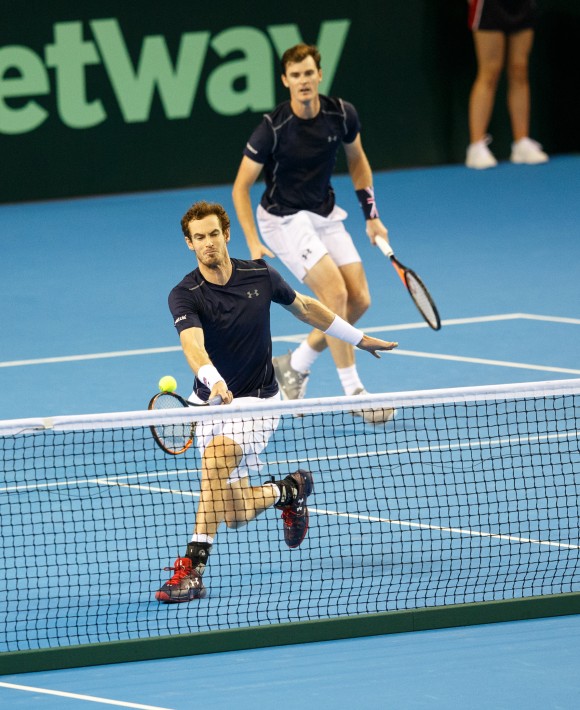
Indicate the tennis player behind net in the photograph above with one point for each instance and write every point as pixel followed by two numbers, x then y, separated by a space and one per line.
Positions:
pixel 221 311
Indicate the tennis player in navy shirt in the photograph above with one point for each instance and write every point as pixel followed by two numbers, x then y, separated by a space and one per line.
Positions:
pixel 295 146
pixel 221 311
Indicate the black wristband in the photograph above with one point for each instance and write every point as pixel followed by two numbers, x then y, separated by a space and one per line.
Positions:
pixel 366 198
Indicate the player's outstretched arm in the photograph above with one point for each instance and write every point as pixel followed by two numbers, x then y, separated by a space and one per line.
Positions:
pixel 317 315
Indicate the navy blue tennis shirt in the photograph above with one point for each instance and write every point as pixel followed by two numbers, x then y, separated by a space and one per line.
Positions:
pixel 299 155
pixel 235 319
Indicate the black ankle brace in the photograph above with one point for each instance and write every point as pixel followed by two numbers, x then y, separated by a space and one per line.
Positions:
pixel 287 489
pixel 198 552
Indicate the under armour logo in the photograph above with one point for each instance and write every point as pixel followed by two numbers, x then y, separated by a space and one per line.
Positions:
pixel 332 139
pixel 253 293
pixel 306 254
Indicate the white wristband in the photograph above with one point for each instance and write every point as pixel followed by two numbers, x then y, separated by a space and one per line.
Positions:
pixel 342 330
pixel 209 376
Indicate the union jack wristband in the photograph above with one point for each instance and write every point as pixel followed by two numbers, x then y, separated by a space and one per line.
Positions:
pixel 209 375
pixel 366 198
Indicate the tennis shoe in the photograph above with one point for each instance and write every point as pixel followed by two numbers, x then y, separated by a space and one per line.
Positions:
pixel 184 586
pixel 479 156
pixel 528 152
pixel 295 514
pixel 291 382
pixel 379 415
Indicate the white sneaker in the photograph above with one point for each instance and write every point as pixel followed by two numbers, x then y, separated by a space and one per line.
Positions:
pixel 292 383
pixel 528 152
pixel 479 156
pixel 379 415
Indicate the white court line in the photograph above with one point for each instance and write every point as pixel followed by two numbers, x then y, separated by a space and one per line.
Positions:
pixel 143 487
pixel 302 336
pixel 86 481
pixel 459 531
pixel 484 361
pixel 90 356
pixel 552 319
pixel 76 696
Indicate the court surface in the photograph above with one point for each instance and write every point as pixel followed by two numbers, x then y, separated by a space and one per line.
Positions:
pixel 85 328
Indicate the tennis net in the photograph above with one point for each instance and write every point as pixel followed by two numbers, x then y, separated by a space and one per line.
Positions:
pixel 467 495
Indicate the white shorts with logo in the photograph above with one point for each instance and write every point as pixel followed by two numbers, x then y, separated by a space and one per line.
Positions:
pixel 300 240
pixel 252 434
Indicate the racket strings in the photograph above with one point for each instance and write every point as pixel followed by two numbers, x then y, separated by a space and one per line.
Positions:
pixel 172 438
pixel 422 299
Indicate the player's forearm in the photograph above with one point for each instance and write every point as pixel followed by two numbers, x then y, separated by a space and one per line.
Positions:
pixel 206 372
pixel 319 316
pixel 196 359
pixel 312 312
pixel 192 344
pixel 362 179
pixel 360 170
pixel 358 165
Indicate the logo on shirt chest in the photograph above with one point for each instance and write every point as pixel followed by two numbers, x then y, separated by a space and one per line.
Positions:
pixel 253 294
pixel 332 139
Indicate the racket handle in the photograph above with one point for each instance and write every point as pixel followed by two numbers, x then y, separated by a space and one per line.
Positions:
pixel 384 246
pixel 215 400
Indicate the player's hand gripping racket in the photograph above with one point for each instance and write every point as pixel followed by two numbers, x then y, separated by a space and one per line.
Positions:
pixel 417 289
pixel 175 438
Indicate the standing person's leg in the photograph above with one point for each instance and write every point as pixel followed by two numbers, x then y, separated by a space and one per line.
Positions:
pixel 524 150
pixel 519 46
pixel 332 285
pixel 327 282
pixel 321 254
pixel 490 47
pixel 354 280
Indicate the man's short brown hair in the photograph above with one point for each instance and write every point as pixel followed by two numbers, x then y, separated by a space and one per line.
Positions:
pixel 203 209
pixel 298 53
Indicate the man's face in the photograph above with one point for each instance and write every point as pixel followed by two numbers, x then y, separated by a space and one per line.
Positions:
pixel 208 241
pixel 302 79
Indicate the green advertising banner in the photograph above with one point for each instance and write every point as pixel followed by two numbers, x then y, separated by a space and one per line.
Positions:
pixel 106 96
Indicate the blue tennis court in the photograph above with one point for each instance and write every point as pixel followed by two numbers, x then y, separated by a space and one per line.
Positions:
pixel 86 329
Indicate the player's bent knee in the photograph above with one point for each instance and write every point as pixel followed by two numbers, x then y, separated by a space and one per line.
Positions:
pixel 363 301
pixel 359 303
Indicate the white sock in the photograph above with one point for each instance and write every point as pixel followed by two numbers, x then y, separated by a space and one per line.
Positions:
pixel 349 379
pixel 276 491
pixel 200 537
pixel 303 357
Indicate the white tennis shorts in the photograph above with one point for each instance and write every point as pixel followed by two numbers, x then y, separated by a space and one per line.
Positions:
pixel 252 434
pixel 300 240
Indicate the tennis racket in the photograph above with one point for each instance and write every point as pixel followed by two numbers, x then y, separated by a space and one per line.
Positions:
pixel 175 439
pixel 416 288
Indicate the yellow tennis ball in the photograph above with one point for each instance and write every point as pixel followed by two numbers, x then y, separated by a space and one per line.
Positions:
pixel 167 384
